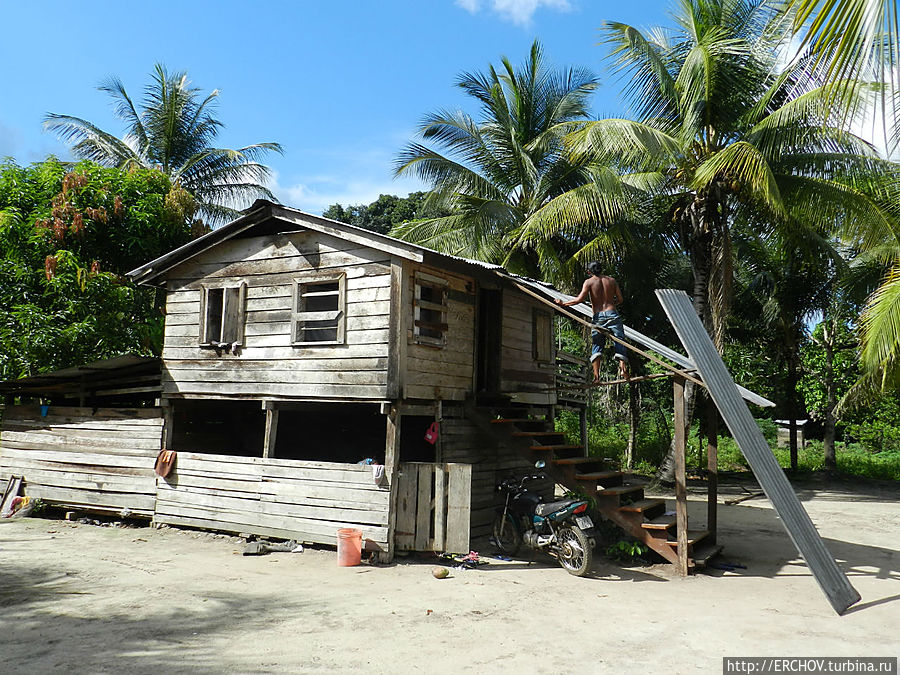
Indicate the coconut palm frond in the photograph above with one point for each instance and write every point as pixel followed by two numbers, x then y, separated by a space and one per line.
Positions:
pixel 173 130
pixel 880 324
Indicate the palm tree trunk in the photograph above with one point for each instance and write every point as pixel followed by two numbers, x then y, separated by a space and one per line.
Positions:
pixel 830 398
pixel 699 247
pixel 793 407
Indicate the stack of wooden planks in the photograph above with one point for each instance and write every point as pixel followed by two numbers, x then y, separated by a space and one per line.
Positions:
pixel 99 459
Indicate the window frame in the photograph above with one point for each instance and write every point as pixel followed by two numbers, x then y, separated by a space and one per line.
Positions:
pixel 341 312
pixel 420 280
pixel 537 345
pixel 237 314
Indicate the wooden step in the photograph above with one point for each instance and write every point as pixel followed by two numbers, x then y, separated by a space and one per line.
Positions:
pixel 693 537
pixel 574 461
pixel 598 475
pixel 557 448
pixel 517 421
pixel 537 434
pixel 704 553
pixel 643 505
pixel 661 523
pixel 619 490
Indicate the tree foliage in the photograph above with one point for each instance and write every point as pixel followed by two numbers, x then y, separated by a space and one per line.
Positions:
pixel 491 174
pixel 385 213
pixel 68 234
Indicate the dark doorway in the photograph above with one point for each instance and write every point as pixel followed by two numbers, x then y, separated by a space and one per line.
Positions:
pixel 490 328
pixel 413 446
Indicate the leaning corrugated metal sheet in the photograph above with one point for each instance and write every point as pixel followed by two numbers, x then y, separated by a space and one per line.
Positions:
pixel 743 427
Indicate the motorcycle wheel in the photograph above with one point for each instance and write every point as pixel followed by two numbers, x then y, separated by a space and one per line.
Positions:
pixel 506 534
pixel 575 553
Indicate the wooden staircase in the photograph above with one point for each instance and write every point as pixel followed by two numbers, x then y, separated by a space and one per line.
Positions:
pixel 617 500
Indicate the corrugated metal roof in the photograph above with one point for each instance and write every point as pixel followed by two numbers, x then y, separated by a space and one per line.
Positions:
pixel 749 438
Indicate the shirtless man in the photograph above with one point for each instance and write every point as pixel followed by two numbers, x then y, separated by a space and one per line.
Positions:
pixel 605 296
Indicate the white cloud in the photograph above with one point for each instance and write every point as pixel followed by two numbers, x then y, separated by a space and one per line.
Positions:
pixel 519 12
pixel 315 193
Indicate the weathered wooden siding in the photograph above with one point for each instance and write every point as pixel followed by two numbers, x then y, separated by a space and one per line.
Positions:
pixel 99 459
pixel 463 441
pixel 308 501
pixel 267 365
pixel 442 372
pixel 520 375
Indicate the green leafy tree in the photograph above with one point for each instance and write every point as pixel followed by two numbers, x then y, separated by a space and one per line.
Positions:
pixel 173 130
pixel 385 213
pixel 67 236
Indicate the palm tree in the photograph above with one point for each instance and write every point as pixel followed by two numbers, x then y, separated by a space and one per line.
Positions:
pixel 492 174
pixel 854 38
pixel 788 282
pixel 725 133
pixel 173 131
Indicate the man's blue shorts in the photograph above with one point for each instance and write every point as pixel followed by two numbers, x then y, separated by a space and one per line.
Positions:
pixel 611 321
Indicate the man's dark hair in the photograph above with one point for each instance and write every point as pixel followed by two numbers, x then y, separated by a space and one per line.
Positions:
pixel 595 268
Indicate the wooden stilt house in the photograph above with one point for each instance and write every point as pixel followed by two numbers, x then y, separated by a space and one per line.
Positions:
pixel 306 359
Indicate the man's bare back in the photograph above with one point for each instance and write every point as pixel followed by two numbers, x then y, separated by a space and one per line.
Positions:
pixel 605 296
pixel 603 291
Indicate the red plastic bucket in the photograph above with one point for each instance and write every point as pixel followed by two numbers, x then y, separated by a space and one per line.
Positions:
pixel 349 546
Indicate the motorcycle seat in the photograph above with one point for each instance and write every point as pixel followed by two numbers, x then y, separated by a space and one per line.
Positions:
pixel 552 507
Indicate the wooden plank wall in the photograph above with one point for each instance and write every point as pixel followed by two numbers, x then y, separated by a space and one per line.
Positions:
pixel 433 507
pixel 308 501
pixel 267 365
pixel 442 372
pixel 98 459
pixel 463 441
pixel 520 374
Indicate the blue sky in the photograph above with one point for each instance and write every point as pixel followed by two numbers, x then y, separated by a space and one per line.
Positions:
pixel 341 85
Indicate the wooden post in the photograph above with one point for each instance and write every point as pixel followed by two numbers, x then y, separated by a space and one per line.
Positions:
pixel 391 469
pixel 271 430
pixel 168 424
pixel 582 422
pixel 712 468
pixel 681 516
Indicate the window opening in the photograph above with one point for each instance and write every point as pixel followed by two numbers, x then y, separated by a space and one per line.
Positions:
pixel 542 340
pixel 223 316
pixel 430 310
pixel 319 311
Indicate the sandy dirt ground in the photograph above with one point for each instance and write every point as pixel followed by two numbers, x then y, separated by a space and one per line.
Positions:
pixel 79 598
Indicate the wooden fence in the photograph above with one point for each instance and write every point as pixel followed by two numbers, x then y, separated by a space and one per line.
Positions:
pixel 94 458
pixel 433 507
pixel 308 501
pixel 571 371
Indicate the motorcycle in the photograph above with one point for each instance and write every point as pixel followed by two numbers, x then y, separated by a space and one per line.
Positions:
pixel 561 528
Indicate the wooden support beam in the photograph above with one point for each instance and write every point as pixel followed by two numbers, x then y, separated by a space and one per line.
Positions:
pixel 271 432
pixel 168 437
pixel 583 427
pixel 712 471
pixel 681 516
pixel 391 470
